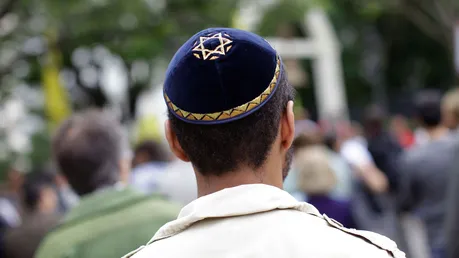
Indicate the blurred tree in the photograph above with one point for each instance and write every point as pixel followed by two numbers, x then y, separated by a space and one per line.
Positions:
pixel 137 31
pixel 385 52
pixel 389 46
pixel 435 18
pixel 92 35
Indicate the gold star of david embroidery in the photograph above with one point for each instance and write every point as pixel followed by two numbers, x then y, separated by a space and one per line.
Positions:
pixel 220 50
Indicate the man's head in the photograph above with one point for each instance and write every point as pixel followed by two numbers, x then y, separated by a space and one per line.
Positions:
pixel 307 139
pixel 149 151
pixel 89 151
pixel 39 194
pixel 427 105
pixel 373 120
pixel 229 110
pixel 450 108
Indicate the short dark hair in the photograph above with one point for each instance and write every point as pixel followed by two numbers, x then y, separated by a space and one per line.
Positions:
pixel 427 104
pixel 87 149
pixel 218 149
pixel 33 186
pixel 374 118
pixel 153 149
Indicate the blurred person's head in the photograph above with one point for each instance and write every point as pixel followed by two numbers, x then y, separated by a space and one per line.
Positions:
pixel 356 129
pixel 149 151
pixel 307 139
pixel 427 105
pixel 89 149
pixel 315 176
pixel 39 194
pixel 450 109
pixel 373 120
pixel 399 124
pixel 243 127
pixel 15 179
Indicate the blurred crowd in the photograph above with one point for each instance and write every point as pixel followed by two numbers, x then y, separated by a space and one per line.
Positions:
pixel 393 175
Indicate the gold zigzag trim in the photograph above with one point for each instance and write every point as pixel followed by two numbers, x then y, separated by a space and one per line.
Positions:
pixel 230 113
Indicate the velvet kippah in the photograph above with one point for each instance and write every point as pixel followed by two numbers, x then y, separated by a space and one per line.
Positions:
pixel 221 75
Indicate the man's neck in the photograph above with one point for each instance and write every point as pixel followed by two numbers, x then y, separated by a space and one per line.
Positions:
pixel 42 210
pixel 211 184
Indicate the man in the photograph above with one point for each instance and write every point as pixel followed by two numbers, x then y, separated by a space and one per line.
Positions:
pixel 10 210
pixel 231 115
pixel 149 151
pixel 317 179
pixel 450 109
pixel 10 193
pixel 40 201
pixel 9 218
pixel 290 182
pixel 354 150
pixel 385 152
pixel 383 147
pixel 149 164
pixel 344 189
pixel 155 172
pixel 110 219
pixel 425 169
pixel 369 202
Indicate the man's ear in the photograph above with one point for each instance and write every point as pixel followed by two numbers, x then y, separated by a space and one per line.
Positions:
pixel 287 128
pixel 174 144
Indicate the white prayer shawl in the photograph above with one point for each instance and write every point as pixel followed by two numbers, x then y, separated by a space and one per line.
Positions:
pixel 260 221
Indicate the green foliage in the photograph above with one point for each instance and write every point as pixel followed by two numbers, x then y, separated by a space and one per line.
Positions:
pixel 136 28
pixel 41 149
pixel 415 52
pixel 409 57
pixel 285 12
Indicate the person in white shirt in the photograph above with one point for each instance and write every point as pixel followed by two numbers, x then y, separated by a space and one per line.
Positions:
pixel 358 156
pixel 231 115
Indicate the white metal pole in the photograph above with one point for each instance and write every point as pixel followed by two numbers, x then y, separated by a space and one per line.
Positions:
pixel 330 90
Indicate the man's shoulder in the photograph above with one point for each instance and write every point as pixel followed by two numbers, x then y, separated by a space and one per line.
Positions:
pixel 321 233
pixel 446 145
pixel 135 211
pixel 141 217
pixel 374 242
pixel 348 240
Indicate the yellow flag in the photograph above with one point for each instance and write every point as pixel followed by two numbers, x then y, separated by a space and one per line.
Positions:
pixel 56 99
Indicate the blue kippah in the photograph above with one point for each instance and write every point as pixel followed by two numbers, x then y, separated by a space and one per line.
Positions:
pixel 221 75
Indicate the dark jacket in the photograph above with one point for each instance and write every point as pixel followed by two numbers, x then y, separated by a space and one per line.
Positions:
pixel 452 206
pixel 386 151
